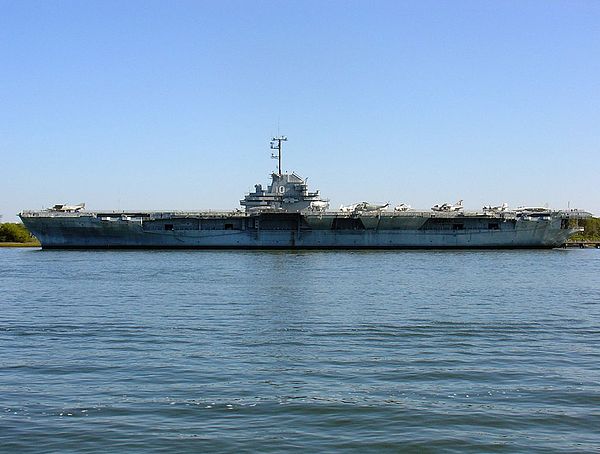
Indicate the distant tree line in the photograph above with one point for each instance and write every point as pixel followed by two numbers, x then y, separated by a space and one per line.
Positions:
pixel 591 232
pixel 14 233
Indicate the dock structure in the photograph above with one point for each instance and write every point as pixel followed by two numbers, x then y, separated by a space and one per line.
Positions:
pixel 582 244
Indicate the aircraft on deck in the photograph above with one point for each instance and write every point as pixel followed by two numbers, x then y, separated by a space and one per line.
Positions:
pixel 496 209
pixel 458 206
pixel 319 205
pixel 363 207
pixel 68 208
pixel 403 207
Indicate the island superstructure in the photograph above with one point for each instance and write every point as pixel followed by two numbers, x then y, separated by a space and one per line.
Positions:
pixel 286 215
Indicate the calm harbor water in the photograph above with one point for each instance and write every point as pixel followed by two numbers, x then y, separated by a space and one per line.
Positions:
pixel 191 351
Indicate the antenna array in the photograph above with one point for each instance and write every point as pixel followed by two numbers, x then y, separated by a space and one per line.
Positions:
pixel 276 145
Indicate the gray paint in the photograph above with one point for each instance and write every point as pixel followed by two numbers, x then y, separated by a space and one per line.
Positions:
pixel 299 231
pixel 285 216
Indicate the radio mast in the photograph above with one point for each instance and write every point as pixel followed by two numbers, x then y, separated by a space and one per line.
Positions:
pixel 276 145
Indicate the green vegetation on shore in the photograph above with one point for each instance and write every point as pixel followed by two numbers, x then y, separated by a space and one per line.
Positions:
pixel 591 232
pixel 15 234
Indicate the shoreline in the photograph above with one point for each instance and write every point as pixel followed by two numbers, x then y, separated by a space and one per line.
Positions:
pixel 31 244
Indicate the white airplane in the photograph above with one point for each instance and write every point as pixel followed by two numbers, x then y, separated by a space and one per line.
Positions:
pixel 319 205
pixel 260 209
pixel 348 208
pixel 499 208
pixel 533 209
pixel 366 206
pixel 68 208
pixel 402 207
pixel 448 207
pixel 362 206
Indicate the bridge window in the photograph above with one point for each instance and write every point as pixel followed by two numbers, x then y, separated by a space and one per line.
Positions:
pixel 168 226
pixel 493 226
pixel 228 226
pixel 458 226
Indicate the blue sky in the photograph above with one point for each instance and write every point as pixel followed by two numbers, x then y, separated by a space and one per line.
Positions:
pixel 171 105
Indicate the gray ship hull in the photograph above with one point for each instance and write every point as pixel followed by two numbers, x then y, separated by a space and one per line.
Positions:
pixel 295 231
pixel 286 215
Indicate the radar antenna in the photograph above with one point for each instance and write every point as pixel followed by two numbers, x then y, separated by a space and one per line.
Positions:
pixel 276 145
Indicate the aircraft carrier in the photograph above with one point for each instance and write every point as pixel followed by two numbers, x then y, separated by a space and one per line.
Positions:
pixel 286 215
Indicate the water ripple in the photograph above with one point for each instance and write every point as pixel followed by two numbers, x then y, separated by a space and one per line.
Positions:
pixel 154 351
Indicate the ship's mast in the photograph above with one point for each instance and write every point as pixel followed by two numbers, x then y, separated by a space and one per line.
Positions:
pixel 276 145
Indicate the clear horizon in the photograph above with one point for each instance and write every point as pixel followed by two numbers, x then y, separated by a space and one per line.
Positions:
pixel 149 105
